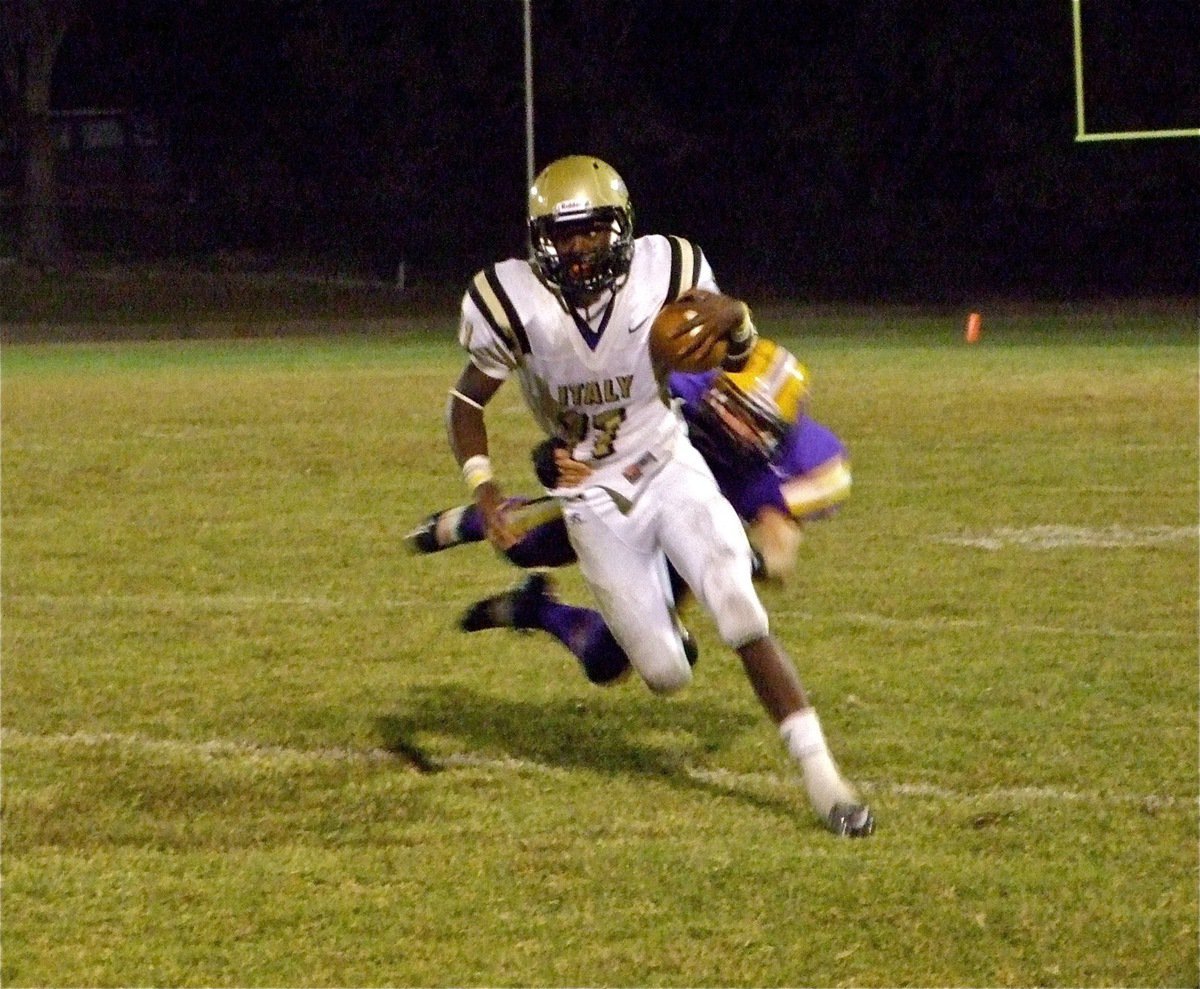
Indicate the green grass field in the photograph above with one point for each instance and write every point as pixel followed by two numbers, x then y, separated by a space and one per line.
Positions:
pixel 244 744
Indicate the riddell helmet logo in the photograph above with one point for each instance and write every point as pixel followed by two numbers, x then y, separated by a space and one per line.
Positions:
pixel 570 206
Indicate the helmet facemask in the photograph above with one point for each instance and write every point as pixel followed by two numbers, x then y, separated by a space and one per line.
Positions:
pixel 751 421
pixel 582 275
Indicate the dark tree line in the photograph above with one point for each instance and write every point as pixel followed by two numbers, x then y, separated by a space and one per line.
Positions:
pixel 31 34
pixel 818 147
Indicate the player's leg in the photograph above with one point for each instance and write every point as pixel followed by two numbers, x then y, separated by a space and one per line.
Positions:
pixel 627 574
pixel 704 538
pixel 444 529
pixel 532 604
pixel 778 687
pixel 543 542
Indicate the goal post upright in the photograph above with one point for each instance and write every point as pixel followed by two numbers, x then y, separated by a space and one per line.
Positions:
pixel 1077 21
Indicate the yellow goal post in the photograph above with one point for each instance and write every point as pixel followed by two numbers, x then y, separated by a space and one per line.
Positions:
pixel 1081 132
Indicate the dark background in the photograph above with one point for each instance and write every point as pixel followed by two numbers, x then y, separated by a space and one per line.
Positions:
pixel 827 149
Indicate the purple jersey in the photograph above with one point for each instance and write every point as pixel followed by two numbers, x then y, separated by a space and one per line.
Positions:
pixel 807 445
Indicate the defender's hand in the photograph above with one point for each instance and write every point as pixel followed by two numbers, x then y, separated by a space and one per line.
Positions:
pixel 492 506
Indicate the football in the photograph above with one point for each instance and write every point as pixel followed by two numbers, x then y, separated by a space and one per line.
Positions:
pixel 676 348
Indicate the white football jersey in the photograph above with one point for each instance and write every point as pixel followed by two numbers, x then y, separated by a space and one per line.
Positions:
pixel 589 382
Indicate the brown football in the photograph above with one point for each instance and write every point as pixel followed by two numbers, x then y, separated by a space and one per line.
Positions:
pixel 674 348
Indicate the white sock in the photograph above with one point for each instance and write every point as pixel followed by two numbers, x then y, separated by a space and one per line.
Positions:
pixel 801 731
pixel 446 530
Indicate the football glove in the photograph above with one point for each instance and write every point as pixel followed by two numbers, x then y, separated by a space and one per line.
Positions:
pixel 544 464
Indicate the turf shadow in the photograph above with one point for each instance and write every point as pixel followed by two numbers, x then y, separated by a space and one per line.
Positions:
pixel 604 735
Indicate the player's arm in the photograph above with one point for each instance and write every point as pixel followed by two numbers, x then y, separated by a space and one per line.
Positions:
pixel 720 316
pixel 814 494
pixel 817 492
pixel 468 436
pixel 776 536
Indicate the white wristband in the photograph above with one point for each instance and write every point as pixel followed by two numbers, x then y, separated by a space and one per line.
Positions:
pixel 477 470
pixel 745 329
pixel 741 341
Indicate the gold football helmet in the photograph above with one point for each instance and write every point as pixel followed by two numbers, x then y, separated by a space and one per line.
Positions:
pixel 580 194
pixel 757 405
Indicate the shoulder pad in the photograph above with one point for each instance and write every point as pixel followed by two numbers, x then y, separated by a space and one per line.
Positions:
pixel 494 303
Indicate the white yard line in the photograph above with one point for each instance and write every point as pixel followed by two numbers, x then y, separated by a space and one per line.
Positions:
pixel 1042 537
pixel 282 756
pixel 213 602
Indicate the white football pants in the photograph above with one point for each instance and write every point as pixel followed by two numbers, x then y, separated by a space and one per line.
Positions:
pixel 683 515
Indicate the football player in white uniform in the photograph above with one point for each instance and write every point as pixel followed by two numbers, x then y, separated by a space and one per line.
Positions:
pixel 572 325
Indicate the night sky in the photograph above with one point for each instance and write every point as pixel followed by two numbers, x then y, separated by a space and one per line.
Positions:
pixel 868 150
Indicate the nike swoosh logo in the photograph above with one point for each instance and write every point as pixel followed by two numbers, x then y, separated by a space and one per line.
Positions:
pixel 624 505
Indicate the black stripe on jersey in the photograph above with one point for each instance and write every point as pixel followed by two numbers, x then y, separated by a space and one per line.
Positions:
pixel 503 320
pixel 684 255
pixel 514 321
pixel 697 257
pixel 483 307
pixel 676 262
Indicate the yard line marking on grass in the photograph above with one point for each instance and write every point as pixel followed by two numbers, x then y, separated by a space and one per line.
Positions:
pixel 1069 536
pixel 281 755
pixel 253 752
pixel 930 791
pixel 231 602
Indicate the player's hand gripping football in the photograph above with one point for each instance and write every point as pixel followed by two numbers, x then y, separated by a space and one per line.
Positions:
pixel 723 318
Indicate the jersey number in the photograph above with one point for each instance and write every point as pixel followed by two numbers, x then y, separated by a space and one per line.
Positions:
pixel 575 424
